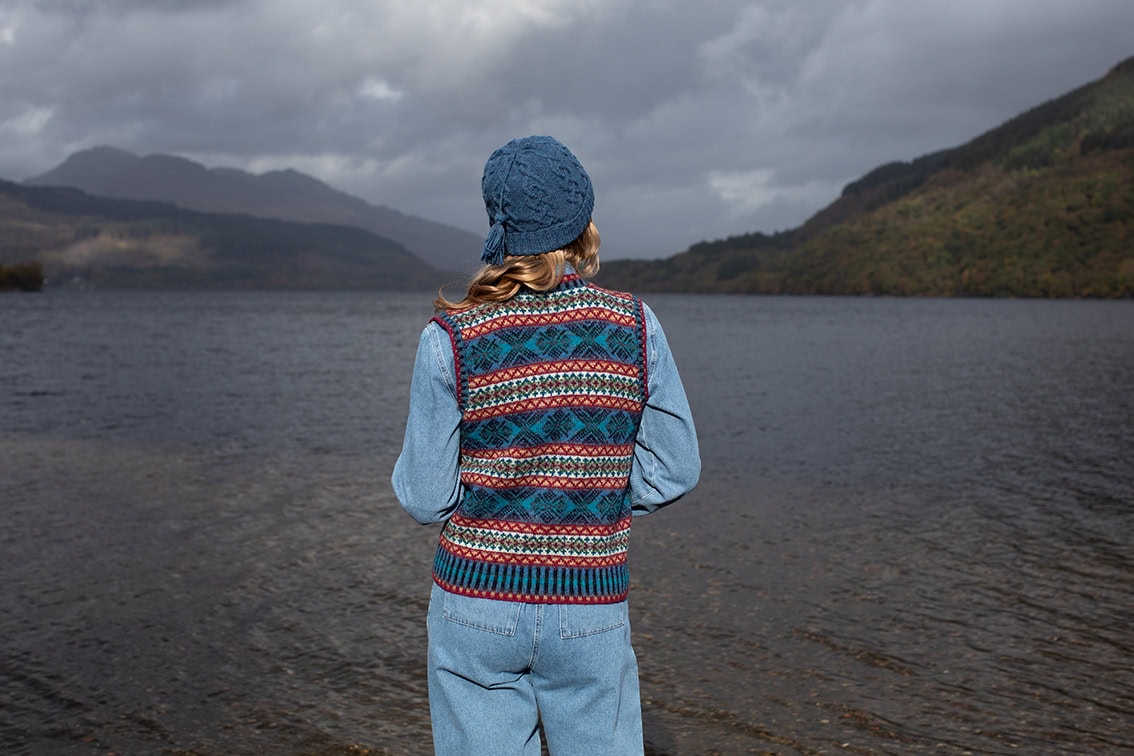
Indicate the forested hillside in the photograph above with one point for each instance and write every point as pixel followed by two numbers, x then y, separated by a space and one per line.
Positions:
pixel 1042 206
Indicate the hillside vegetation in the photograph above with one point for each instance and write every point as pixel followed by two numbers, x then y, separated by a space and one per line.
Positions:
pixel 1042 206
pixel 77 238
pixel 283 195
pixel 24 277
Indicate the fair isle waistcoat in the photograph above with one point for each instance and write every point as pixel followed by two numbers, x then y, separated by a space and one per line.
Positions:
pixel 551 387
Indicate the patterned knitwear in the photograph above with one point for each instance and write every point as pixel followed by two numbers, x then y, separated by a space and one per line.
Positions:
pixel 538 198
pixel 551 388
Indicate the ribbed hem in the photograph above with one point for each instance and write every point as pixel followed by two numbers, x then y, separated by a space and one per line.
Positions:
pixel 531 583
pixel 551 238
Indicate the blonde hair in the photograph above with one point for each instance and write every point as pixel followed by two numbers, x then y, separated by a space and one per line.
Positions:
pixel 499 283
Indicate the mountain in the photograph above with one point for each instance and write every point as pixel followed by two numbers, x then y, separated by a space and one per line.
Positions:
pixel 285 195
pixel 77 237
pixel 1041 206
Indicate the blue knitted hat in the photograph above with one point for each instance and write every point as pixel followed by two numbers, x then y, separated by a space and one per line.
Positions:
pixel 538 198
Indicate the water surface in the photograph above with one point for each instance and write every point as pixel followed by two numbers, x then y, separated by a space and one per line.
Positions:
pixel 915 530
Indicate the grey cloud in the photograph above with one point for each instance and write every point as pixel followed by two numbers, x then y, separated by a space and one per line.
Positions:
pixel 86 8
pixel 696 120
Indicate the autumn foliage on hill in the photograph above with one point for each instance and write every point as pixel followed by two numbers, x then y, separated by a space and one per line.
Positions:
pixel 1042 206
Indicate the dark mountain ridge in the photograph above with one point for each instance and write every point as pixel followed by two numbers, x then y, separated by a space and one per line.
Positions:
pixel 284 194
pixel 101 241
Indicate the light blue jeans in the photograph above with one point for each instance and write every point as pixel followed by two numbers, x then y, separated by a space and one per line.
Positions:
pixel 497 667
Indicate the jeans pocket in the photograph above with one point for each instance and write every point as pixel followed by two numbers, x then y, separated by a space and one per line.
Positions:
pixel 581 620
pixel 489 615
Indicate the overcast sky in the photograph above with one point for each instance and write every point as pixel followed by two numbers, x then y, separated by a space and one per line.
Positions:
pixel 696 120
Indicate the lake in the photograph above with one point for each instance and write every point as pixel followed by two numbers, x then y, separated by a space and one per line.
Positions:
pixel 914 531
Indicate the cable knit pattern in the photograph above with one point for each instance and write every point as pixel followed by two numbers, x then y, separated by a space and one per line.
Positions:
pixel 538 198
pixel 551 389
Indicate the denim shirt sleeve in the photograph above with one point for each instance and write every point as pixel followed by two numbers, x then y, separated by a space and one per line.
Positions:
pixel 667 461
pixel 426 479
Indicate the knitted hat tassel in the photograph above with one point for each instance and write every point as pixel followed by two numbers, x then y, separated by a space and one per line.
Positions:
pixel 493 253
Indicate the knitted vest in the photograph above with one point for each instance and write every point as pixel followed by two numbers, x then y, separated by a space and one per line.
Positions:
pixel 551 387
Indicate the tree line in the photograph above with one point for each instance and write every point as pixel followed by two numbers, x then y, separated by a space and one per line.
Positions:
pixel 21 277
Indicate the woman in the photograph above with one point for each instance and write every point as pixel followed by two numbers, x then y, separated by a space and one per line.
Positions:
pixel 544 413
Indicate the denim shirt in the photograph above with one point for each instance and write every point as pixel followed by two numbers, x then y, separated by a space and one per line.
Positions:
pixel 666 466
